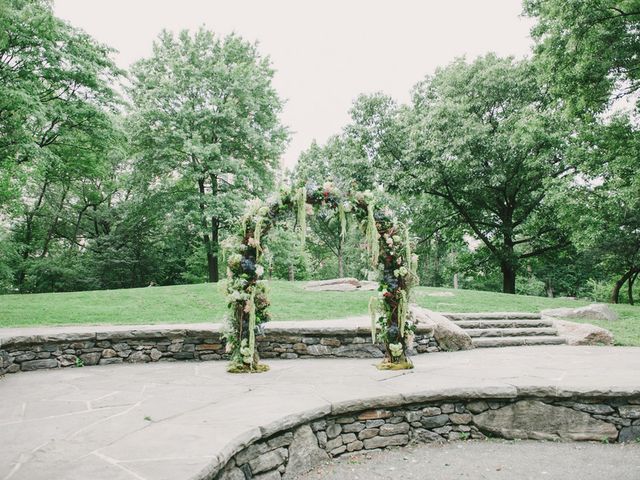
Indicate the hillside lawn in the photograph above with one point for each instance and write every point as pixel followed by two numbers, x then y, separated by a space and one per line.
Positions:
pixel 206 303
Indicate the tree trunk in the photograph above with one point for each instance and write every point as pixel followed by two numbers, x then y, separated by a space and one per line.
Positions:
pixel 455 281
pixel 212 257
pixel 340 260
pixel 632 280
pixel 508 278
pixel 292 273
pixel 615 294
pixel 206 240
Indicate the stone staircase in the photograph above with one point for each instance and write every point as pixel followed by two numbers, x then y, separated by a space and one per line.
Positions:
pixel 507 329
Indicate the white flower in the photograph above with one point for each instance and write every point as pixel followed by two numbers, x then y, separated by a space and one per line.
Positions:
pixel 259 270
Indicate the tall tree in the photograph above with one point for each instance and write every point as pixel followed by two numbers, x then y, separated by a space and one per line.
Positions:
pixel 205 117
pixel 57 128
pixel 588 49
pixel 485 140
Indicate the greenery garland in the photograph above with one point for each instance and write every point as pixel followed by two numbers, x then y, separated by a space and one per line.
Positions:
pixel 389 252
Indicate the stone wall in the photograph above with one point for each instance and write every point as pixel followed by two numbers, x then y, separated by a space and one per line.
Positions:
pixel 26 353
pixel 292 452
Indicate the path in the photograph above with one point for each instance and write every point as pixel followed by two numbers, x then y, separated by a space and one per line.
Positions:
pixel 170 420
pixel 493 460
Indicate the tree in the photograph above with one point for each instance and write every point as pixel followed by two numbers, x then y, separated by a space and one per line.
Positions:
pixel 605 209
pixel 205 120
pixel 588 49
pixel 57 123
pixel 488 143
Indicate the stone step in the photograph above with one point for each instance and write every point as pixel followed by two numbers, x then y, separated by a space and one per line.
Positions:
pixel 492 316
pixel 486 342
pixel 511 332
pixel 523 323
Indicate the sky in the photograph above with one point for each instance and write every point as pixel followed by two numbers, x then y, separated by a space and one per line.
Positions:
pixel 325 52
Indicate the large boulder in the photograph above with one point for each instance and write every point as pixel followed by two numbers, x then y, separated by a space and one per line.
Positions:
pixel 595 311
pixel 449 336
pixel 583 333
pixel 532 419
pixel 304 453
pixel 346 284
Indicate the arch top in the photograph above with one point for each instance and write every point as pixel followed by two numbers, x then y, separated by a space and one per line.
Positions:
pixel 388 244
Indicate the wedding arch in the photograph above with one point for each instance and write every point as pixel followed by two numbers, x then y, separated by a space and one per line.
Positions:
pixel 388 245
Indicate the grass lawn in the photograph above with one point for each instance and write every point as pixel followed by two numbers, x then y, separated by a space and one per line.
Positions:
pixel 206 303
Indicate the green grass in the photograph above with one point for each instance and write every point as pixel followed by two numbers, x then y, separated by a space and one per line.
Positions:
pixel 206 303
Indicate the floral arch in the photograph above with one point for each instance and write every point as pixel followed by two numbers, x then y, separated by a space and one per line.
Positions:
pixel 388 245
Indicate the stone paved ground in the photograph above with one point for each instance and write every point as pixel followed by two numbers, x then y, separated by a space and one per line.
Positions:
pixel 170 420
pixel 490 460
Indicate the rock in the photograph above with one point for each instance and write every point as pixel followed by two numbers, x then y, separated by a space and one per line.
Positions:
pixel 596 408
pixel 630 434
pixel 90 358
pixel 629 411
pixel 368 433
pixel 431 411
pixel 348 438
pixel 156 355
pixel 381 442
pixel 138 357
pixel 318 350
pixel 109 353
pixel 460 418
pixel 389 429
pixel 346 284
pixel 39 364
pixel 437 421
pixel 283 440
pixel 334 443
pixel 231 472
pixel 374 415
pixel 449 336
pixel 251 452
pixel 268 461
pixel 477 407
pixel 595 311
pixel 532 419
pixel 583 333
pixel 358 351
pixel 111 361
pixel 423 435
pixel 338 451
pixel 67 360
pixel 355 446
pixel 353 427
pixel 334 430
pixel 413 416
pixel 24 357
pixel 304 453
pixel 272 475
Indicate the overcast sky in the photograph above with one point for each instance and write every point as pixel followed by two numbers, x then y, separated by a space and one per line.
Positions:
pixel 325 52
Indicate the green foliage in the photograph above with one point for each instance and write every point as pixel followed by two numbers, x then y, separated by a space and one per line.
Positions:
pixel 487 142
pixel 587 49
pixel 205 128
